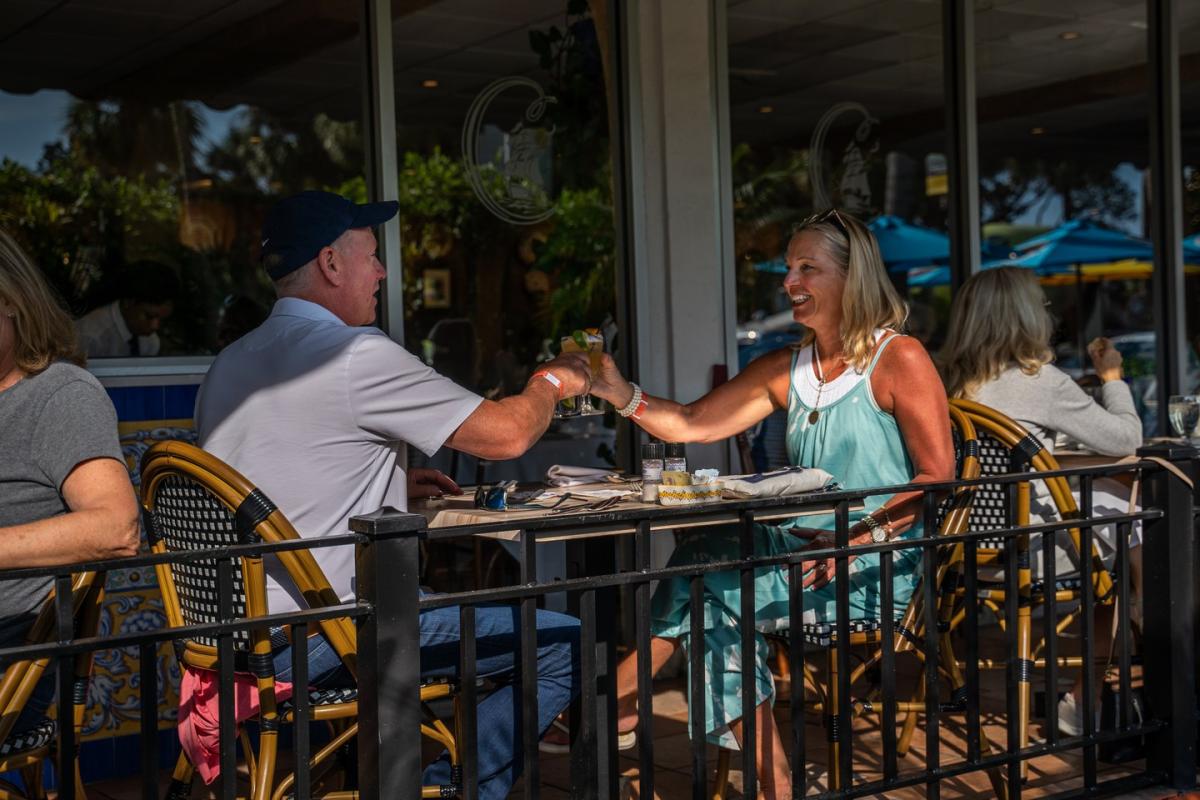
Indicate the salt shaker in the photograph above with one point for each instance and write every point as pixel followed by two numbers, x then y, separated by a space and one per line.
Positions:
pixel 652 469
pixel 676 460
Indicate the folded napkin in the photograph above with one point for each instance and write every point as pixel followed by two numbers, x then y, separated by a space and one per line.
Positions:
pixel 793 480
pixel 561 475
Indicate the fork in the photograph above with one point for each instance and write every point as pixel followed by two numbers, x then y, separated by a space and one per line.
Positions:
pixel 593 505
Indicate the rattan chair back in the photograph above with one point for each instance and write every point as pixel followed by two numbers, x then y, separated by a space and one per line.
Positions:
pixel 193 501
pixel 1005 447
pixel 26 749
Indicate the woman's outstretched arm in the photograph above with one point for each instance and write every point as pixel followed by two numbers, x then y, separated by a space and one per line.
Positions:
pixel 725 411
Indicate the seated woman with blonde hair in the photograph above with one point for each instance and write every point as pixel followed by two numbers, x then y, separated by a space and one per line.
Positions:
pixel 865 404
pixel 65 494
pixel 998 353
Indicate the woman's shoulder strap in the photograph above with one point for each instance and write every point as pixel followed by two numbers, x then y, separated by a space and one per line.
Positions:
pixel 886 337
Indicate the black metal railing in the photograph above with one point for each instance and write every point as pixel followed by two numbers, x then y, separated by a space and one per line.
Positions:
pixel 390 602
pixel 1169 670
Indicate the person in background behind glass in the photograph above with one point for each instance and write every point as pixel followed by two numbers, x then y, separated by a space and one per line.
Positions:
pixel 128 326
pixel 65 494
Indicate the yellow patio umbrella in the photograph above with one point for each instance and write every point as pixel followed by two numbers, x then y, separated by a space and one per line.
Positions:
pixel 1127 269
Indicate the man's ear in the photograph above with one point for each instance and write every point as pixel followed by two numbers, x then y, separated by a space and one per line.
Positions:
pixel 329 265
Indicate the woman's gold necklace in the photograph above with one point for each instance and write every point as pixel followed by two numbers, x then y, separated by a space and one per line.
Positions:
pixel 814 415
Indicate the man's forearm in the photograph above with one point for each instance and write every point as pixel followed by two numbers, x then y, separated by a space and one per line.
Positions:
pixel 530 411
pixel 502 429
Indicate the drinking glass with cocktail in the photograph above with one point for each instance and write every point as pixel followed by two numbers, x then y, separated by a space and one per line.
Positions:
pixel 1183 410
pixel 590 341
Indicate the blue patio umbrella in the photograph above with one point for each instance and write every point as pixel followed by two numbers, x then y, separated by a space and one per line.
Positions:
pixel 930 276
pixel 1080 241
pixel 1066 247
pixel 905 245
pixel 774 266
pixel 1191 249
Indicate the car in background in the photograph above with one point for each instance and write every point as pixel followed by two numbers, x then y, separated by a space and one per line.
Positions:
pixel 759 336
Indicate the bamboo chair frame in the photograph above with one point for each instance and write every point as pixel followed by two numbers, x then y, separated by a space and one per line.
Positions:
pixel 20 678
pixel 1028 454
pixel 241 500
pixel 908 631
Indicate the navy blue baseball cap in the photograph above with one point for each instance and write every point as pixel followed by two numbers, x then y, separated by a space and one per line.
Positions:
pixel 297 227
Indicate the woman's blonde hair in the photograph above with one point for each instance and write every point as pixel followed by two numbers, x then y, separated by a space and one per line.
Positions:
pixel 998 320
pixel 44 333
pixel 869 300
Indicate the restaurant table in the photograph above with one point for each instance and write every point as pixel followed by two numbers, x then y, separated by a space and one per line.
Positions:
pixel 1068 458
pixel 1071 459
pixel 593 548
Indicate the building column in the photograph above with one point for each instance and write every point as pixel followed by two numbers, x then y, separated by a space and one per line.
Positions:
pixel 680 220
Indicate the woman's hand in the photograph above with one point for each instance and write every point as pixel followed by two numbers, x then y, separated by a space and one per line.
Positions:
pixel 609 384
pixel 1106 358
pixel 818 573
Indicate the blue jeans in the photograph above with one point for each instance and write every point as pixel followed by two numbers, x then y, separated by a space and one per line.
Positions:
pixel 498 717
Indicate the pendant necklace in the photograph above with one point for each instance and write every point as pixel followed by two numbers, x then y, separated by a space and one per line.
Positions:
pixel 814 415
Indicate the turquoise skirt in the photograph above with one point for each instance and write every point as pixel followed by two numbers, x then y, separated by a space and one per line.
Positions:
pixel 671 613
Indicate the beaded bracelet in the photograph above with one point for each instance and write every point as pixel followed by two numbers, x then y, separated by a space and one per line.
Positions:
pixel 636 404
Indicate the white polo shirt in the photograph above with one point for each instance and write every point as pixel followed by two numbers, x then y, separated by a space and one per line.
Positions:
pixel 317 414
pixel 103 334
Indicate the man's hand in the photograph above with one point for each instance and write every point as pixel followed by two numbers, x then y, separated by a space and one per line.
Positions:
pixel 423 482
pixel 573 371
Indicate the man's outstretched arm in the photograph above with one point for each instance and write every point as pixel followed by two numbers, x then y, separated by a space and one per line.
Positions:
pixel 502 429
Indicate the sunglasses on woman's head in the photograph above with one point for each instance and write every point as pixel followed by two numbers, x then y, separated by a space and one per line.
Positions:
pixel 829 215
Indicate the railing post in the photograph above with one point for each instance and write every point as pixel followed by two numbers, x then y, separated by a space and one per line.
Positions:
pixel 389 654
pixel 1170 616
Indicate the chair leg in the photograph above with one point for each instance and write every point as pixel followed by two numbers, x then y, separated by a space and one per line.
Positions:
pixel 181 780
pixel 32 777
pixel 80 791
pixel 9 791
pixel 263 775
pixel 1024 676
pixel 783 687
pixel 910 720
pixel 721 788
pixel 833 726
pixel 320 765
pixel 995 774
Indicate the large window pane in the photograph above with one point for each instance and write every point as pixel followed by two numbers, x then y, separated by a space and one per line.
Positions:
pixel 142 144
pixel 1063 138
pixel 1189 41
pixel 506 115
pixel 834 105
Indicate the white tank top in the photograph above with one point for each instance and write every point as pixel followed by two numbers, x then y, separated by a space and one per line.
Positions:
pixel 804 378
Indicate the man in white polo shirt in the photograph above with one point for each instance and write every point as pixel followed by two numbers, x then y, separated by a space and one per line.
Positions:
pixel 317 408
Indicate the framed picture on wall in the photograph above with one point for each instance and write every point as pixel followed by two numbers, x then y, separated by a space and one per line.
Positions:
pixel 435 291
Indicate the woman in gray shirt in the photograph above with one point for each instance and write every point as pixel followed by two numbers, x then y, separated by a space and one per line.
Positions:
pixel 998 353
pixel 65 494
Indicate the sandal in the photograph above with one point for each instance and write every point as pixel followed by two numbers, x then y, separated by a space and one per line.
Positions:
pixel 625 741
pixel 556 747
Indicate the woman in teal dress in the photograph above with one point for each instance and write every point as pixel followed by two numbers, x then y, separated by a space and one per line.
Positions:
pixel 865 404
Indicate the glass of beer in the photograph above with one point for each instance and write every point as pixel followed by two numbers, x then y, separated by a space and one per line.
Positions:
pixel 590 341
